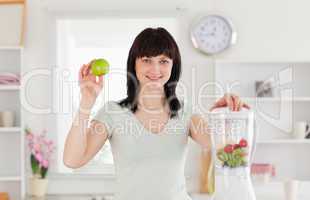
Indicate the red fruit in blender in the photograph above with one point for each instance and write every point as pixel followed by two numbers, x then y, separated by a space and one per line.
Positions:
pixel 243 143
pixel 243 154
pixel 236 146
pixel 229 148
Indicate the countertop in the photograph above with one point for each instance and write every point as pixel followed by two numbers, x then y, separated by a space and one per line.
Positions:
pixel 268 191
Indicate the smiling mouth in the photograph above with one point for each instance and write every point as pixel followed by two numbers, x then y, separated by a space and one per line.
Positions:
pixel 154 78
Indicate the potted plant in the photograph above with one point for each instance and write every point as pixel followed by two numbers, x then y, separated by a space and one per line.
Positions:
pixel 41 150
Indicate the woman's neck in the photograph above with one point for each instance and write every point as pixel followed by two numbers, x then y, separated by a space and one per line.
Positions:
pixel 152 100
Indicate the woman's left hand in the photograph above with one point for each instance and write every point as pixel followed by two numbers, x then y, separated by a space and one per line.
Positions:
pixel 232 101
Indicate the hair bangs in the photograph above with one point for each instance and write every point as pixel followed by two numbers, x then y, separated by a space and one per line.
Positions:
pixel 153 44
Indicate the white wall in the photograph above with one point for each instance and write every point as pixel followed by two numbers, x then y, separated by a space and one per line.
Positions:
pixel 268 31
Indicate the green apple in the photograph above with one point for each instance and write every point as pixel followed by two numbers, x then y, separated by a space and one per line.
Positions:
pixel 99 67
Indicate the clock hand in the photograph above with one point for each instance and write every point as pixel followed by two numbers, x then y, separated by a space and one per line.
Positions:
pixel 210 34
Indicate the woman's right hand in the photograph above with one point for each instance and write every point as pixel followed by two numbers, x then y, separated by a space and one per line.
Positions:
pixel 89 86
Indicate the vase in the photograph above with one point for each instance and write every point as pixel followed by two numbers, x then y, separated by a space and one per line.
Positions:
pixel 38 186
pixel 7 118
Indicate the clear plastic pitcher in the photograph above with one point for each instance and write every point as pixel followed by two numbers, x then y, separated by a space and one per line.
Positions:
pixel 233 143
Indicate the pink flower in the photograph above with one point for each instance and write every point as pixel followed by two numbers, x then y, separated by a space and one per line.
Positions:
pixel 41 147
pixel 50 147
pixel 37 147
pixel 29 136
pixel 39 157
pixel 45 163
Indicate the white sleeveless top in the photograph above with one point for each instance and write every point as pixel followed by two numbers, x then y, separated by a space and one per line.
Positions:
pixel 148 166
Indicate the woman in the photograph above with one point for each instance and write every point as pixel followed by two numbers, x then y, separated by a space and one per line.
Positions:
pixel 149 129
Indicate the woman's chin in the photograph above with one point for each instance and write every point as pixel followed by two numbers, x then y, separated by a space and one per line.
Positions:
pixel 154 85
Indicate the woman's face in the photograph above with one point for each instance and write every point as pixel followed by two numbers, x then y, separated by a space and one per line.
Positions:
pixel 153 72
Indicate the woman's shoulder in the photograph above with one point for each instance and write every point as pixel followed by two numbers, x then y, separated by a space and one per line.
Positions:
pixel 185 110
pixel 110 104
pixel 113 107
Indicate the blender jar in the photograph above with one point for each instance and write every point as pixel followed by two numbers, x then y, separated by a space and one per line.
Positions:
pixel 233 139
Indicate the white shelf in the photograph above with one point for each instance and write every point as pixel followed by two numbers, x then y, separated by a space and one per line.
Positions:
pixel 275 99
pixel 274 190
pixel 9 87
pixel 11 47
pixel 12 61
pixel 10 178
pixel 266 99
pixel 289 104
pixel 258 62
pixel 284 141
pixel 9 129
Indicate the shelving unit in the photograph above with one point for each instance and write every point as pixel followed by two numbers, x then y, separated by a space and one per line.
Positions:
pixel 276 115
pixel 10 178
pixel 12 141
pixel 284 141
pixel 9 87
pixel 9 129
pixel 269 99
pixel 11 47
pixel 275 99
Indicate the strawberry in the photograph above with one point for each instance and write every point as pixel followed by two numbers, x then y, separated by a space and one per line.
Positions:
pixel 229 148
pixel 243 154
pixel 236 146
pixel 243 143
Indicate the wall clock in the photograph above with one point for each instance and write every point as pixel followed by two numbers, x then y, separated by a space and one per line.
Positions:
pixel 213 34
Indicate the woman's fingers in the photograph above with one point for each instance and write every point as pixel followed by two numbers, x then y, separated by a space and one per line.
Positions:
pixel 85 73
pixel 238 104
pixel 217 106
pixel 232 101
pixel 87 70
pixel 84 70
pixel 100 80
pixel 246 106
pixel 229 101
pixel 89 66
pixel 235 102
pixel 81 73
pixel 97 80
pixel 222 102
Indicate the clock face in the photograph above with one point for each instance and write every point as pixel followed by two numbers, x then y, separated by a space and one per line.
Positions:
pixel 213 34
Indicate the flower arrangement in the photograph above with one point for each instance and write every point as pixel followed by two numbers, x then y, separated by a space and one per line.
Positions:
pixel 234 155
pixel 41 150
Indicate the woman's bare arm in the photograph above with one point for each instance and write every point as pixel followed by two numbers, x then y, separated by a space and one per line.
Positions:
pixel 199 132
pixel 199 126
pixel 83 142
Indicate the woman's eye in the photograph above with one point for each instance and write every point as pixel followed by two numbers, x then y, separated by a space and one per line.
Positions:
pixel 164 61
pixel 146 60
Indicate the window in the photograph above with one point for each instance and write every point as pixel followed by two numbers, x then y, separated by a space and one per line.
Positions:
pixel 78 42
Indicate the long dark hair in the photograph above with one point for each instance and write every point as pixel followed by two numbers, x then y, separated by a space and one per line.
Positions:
pixel 153 42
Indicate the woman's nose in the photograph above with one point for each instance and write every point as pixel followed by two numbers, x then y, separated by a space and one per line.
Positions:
pixel 155 69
